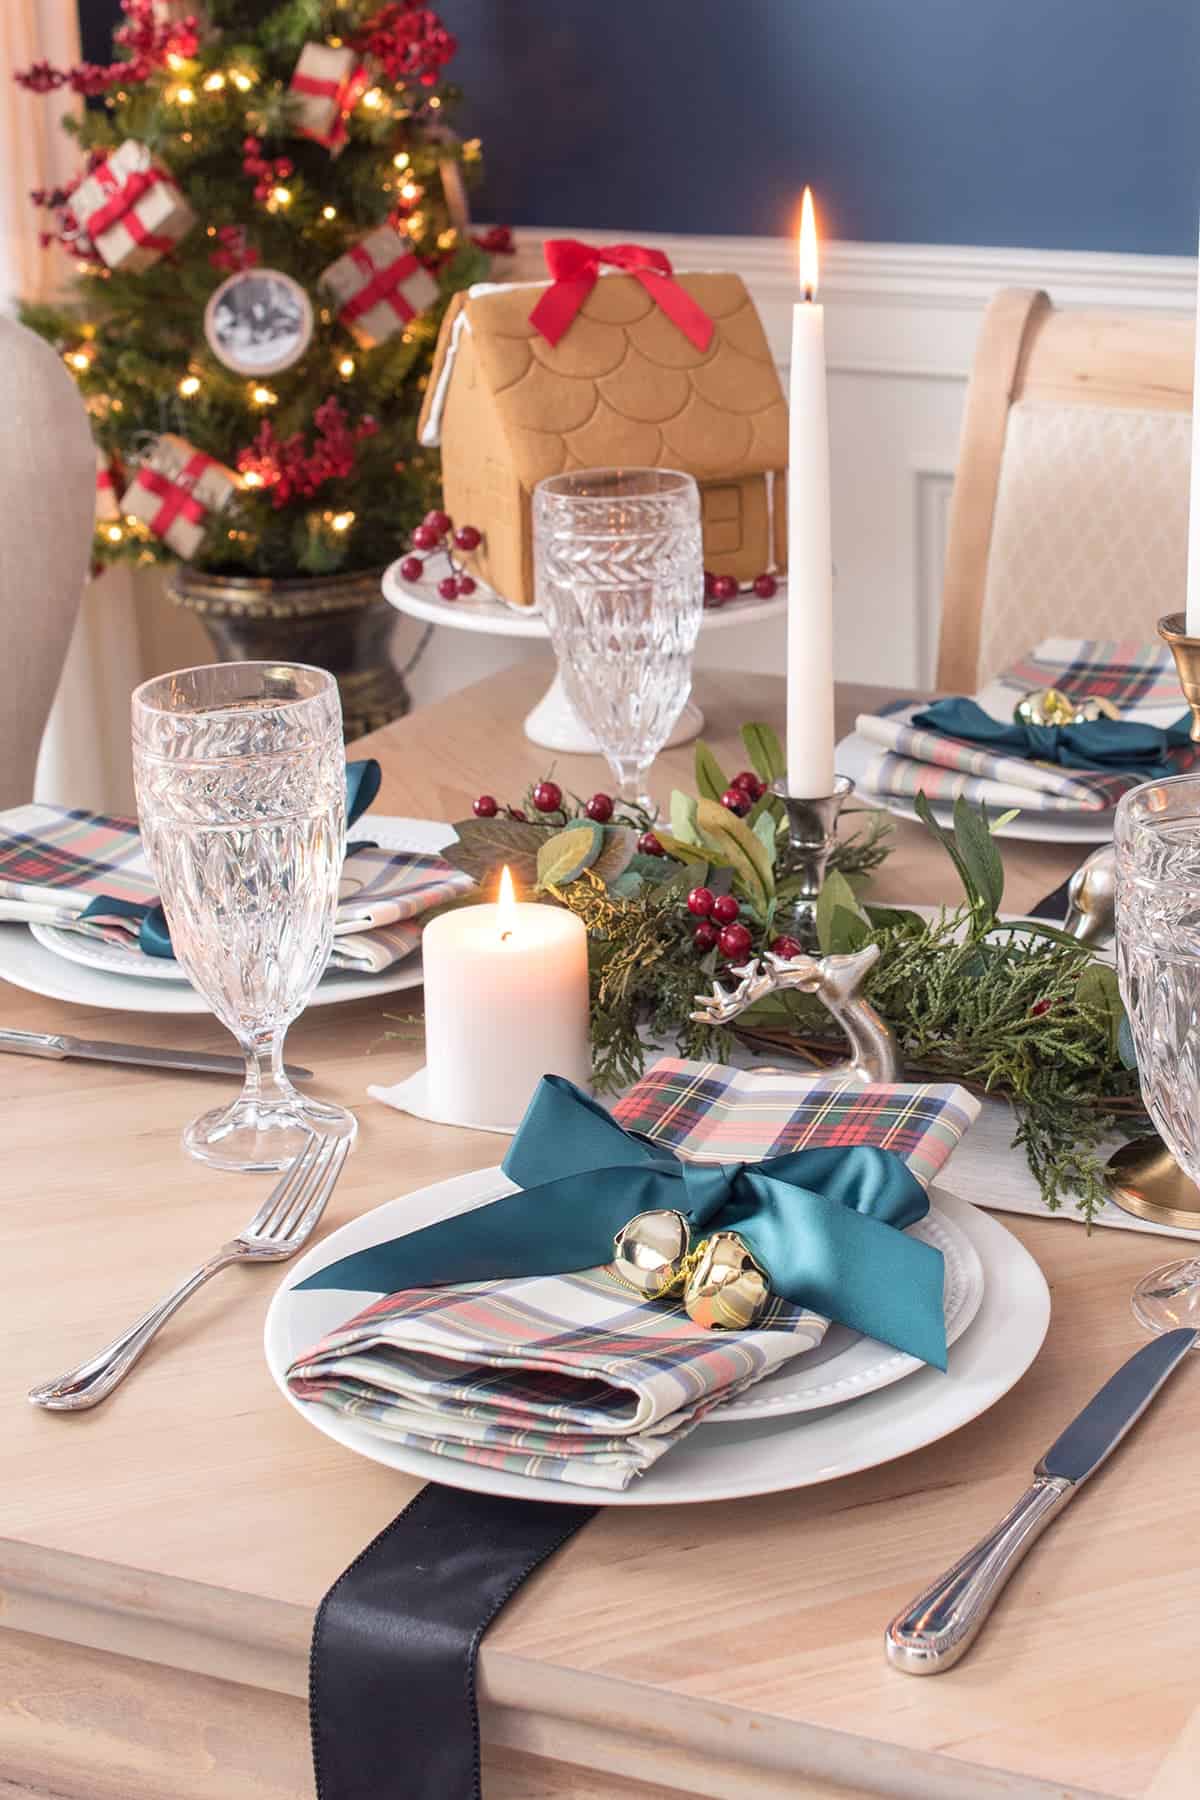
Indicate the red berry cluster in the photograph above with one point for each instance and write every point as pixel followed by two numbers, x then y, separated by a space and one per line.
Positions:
pixel 742 792
pixel 288 467
pixel 547 797
pixel 266 170
pixel 409 42
pixel 434 536
pixel 719 925
pixel 235 252
pixel 720 588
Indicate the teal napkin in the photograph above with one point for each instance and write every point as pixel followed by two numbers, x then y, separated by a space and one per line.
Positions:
pixel 1099 744
pixel 363 780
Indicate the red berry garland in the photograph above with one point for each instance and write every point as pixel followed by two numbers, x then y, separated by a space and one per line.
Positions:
pixel 737 800
pixel 705 936
pixel 599 808
pixel 649 845
pixel 786 947
pixel 725 909
pixel 486 807
pixel 700 902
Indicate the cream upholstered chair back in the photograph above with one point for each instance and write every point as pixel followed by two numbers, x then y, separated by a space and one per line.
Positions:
pixel 48 506
pixel 1070 508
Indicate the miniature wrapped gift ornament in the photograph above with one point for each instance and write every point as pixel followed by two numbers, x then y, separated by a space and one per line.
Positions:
pixel 379 285
pixel 175 492
pixel 108 507
pixel 327 84
pixel 131 209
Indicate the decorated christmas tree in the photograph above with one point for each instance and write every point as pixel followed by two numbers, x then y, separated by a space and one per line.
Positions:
pixel 268 221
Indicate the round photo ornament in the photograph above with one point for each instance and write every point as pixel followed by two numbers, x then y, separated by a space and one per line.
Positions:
pixel 258 321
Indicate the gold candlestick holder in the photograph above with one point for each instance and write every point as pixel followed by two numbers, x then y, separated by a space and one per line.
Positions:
pixel 1186 650
pixel 1142 1176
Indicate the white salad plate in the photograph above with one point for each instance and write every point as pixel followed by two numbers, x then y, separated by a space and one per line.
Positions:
pixel 726 1457
pixel 86 971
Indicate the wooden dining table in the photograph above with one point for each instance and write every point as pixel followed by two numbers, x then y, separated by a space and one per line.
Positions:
pixel 161 1557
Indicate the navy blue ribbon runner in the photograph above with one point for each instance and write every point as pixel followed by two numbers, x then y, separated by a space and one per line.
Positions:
pixel 392 1704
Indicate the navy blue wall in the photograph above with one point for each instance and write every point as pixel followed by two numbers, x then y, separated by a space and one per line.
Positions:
pixel 1058 124
pixel 1062 124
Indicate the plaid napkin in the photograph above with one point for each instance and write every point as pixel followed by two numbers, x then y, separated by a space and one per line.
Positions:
pixel 55 863
pixel 1139 679
pixel 570 1377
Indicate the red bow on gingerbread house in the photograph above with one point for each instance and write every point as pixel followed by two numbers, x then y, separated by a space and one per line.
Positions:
pixel 575 269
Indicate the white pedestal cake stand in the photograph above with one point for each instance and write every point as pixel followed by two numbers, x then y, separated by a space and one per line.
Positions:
pixel 553 723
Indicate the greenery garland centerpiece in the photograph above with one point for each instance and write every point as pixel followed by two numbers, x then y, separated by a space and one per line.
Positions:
pixel 1021 1011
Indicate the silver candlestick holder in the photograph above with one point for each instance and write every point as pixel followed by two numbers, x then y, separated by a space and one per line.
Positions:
pixel 812 833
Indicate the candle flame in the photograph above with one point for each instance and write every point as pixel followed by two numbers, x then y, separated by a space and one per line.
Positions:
pixel 809 261
pixel 506 904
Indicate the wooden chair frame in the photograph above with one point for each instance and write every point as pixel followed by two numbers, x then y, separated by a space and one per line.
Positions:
pixel 1031 350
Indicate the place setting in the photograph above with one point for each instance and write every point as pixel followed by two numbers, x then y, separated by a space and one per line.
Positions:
pixel 698 1251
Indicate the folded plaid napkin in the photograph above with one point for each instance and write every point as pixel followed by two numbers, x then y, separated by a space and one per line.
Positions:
pixel 1139 679
pixel 570 1377
pixel 55 863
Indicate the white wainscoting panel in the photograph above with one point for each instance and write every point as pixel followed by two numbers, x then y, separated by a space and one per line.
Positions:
pixel 901 323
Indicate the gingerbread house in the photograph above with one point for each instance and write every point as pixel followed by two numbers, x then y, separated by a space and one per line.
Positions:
pixel 623 386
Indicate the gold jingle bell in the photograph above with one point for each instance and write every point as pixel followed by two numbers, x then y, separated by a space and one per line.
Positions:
pixel 1049 706
pixel 1095 706
pixel 1045 706
pixel 649 1252
pixel 726 1290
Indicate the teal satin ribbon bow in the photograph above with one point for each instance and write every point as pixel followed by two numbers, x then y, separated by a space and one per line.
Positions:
pixel 363 780
pixel 1099 745
pixel 827 1225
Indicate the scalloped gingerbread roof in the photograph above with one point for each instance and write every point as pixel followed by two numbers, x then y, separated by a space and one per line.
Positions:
pixel 624 385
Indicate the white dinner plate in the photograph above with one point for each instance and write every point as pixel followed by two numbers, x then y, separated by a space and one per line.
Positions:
pixel 66 965
pixel 723 1458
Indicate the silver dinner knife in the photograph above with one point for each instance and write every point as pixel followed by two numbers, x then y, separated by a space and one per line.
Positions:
pixel 58 1046
pixel 942 1623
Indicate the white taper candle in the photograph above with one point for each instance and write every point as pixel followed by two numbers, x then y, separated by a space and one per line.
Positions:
pixel 1193 561
pixel 810 733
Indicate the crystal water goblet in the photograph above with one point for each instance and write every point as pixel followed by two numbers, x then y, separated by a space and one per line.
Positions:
pixel 619 567
pixel 1157 839
pixel 240 776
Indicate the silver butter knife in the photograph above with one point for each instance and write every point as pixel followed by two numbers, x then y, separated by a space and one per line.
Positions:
pixel 942 1623
pixel 200 1062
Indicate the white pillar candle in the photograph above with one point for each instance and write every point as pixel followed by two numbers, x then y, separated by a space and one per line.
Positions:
pixel 810 550
pixel 1193 562
pixel 506 1002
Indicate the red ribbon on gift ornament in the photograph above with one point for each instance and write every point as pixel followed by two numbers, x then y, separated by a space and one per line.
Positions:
pixel 381 285
pixel 178 501
pixel 575 269
pixel 119 208
pixel 345 96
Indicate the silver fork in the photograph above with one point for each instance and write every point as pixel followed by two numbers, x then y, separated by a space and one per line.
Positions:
pixel 285 1220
